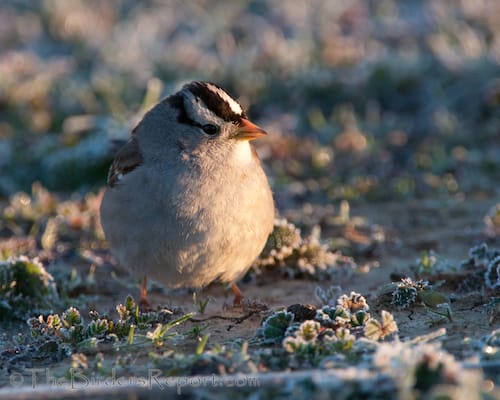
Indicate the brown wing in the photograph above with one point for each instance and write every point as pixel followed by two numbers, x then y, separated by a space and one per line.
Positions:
pixel 127 159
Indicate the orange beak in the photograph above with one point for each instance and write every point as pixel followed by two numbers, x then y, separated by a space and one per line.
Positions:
pixel 249 131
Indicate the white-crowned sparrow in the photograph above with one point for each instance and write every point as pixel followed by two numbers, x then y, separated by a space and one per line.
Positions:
pixel 187 201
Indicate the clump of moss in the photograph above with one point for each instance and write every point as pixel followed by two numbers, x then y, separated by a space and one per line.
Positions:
pixel 298 256
pixel 25 287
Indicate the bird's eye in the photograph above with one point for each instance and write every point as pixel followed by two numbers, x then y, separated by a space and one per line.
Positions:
pixel 210 129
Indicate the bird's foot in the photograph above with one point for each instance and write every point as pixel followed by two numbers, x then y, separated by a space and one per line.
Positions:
pixel 144 305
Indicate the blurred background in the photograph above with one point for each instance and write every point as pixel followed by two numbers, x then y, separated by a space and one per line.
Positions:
pixel 363 99
pixel 387 108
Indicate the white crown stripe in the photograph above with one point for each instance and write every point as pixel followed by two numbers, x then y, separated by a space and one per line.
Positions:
pixel 235 107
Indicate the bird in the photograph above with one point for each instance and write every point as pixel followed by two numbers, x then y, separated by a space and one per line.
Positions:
pixel 187 200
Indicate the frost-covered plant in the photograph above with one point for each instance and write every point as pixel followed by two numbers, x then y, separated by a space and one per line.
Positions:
pixel 24 207
pixel 68 333
pixel 328 296
pixel 407 292
pixel 81 162
pixel 350 312
pixel 404 296
pixel 25 287
pixel 274 327
pixel 326 314
pixel 376 330
pixel 312 340
pixel 308 330
pixel 352 303
pixel 99 328
pixel 333 329
pixel 479 257
pixel 421 369
pixel 300 256
pixel 492 221
pixel 42 215
pixel 483 266
pixel 430 263
pixel 72 325
pixel 68 328
pixel 304 338
pixel 228 359
pixel 74 216
pixel 490 348
pixel 281 243
pixel 492 274
pixel 479 254
pixel 493 309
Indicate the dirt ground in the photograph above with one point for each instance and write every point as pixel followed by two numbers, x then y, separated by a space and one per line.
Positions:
pixel 449 229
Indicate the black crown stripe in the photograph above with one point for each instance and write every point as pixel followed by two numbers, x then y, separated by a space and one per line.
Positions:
pixel 177 101
pixel 214 102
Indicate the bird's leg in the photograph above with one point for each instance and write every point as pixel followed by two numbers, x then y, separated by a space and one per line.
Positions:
pixel 237 295
pixel 143 302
